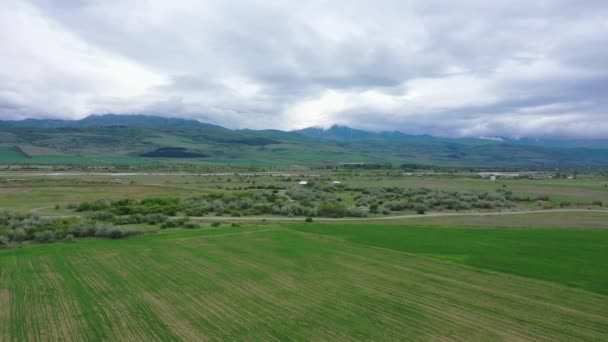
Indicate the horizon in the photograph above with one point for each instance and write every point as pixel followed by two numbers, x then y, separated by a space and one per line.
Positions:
pixel 437 68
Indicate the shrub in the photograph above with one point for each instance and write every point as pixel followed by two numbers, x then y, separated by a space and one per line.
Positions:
pixel 4 240
pixel 155 218
pixel 235 225
pixel 598 203
pixel 82 229
pixel 109 231
pixel 485 205
pixel 383 210
pixel 215 224
pixel 329 209
pixel 92 206
pixel 70 238
pixel 421 209
pixel 373 208
pixel 44 236
pixel 17 235
pixel 308 219
pixel 564 204
pixel 191 225
pixel 355 212
pixel 100 216
pixel 398 205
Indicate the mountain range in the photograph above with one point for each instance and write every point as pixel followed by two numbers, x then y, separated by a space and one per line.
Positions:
pixel 113 138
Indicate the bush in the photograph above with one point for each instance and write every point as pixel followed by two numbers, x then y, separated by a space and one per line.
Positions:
pixel 383 210
pixel 44 236
pixel 82 229
pixel 329 209
pixel 598 203
pixel 215 224
pixel 398 205
pixel 4 240
pixel 564 204
pixel 191 225
pixel 308 219
pixel 421 209
pixel 70 238
pixel 155 218
pixel 92 206
pixel 355 212
pixel 17 235
pixel 100 216
pixel 109 231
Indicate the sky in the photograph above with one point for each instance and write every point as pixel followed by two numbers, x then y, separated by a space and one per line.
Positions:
pixel 535 68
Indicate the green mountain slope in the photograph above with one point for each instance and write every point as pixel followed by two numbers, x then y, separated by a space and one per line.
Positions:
pixel 129 138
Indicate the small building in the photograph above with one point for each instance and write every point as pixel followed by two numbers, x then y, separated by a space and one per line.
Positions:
pixel 303 183
pixel 492 178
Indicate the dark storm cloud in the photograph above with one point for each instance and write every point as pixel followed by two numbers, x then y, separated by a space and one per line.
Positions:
pixel 474 68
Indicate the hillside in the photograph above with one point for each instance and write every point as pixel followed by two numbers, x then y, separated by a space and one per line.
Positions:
pixel 138 139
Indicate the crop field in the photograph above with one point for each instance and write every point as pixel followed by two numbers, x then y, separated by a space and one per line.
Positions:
pixel 573 257
pixel 275 282
pixel 10 155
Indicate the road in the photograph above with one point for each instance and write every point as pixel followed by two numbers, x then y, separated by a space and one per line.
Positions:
pixel 379 218
pixel 394 217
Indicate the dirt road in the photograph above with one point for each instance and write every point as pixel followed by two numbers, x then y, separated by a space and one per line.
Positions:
pixel 395 217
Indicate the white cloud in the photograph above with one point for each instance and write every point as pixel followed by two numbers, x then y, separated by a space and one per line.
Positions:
pixel 439 67
pixel 50 70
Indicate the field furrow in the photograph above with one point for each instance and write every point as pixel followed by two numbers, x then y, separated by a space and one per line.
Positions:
pixel 273 284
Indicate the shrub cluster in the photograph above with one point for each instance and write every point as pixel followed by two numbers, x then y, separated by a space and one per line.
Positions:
pixel 16 228
pixel 318 199
pixel 381 200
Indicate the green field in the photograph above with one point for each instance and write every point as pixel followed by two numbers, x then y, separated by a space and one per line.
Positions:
pixel 573 257
pixel 272 283
pixel 10 155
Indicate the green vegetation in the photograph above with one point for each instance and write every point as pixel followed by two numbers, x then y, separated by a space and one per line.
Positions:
pixel 271 283
pixel 317 198
pixel 17 228
pixel 572 257
pixel 130 140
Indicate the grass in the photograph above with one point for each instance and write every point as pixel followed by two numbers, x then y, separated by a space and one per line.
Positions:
pixel 565 220
pixel 10 155
pixel 573 257
pixel 272 283
pixel 45 197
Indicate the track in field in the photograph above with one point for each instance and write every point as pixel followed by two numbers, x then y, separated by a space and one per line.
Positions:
pixel 274 284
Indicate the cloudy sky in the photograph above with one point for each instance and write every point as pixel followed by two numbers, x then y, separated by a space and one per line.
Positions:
pixel 450 68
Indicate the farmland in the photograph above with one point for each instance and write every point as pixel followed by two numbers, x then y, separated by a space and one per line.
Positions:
pixel 114 272
pixel 273 282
